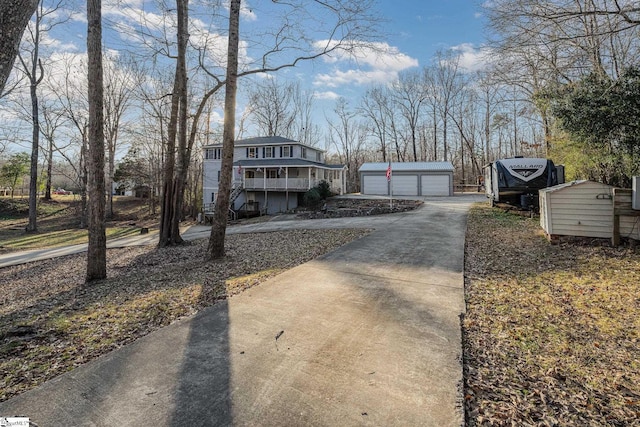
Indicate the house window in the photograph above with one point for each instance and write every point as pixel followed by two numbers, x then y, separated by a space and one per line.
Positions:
pixel 272 173
pixel 303 152
pixel 212 154
pixel 286 152
pixel 269 152
pixel 252 152
pixel 318 157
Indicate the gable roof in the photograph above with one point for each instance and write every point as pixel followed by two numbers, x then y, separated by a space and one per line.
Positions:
pixel 264 140
pixel 407 167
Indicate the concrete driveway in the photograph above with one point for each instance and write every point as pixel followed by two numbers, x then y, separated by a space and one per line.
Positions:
pixel 367 335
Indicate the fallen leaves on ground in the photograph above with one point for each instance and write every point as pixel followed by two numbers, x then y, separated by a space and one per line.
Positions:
pixel 51 321
pixel 551 332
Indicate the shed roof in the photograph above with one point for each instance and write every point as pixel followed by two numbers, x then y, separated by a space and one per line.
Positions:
pixel 408 167
pixel 570 184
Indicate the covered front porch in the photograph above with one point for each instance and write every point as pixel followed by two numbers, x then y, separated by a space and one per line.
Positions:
pixel 297 179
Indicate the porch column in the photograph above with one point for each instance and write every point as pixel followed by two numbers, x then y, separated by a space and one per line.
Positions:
pixel 286 186
pixel 343 181
pixel 309 170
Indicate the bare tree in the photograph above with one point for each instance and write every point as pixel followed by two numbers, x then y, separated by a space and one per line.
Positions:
pixel 71 95
pixel 174 177
pixel 117 98
pixel 348 136
pixel 375 107
pixel 53 120
pixel 410 93
pixel 446 87
pixel 271 107
pixel 97 249
pixel 344 23
pixel 219 226
pixel 14 17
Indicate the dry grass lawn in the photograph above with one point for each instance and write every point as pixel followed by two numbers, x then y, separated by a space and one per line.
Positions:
pixel 51 322
pixel 551 333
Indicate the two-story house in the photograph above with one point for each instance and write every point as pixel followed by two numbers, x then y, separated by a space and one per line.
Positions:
pixel 270 174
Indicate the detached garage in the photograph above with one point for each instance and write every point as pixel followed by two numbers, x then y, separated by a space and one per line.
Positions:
pixel 407 179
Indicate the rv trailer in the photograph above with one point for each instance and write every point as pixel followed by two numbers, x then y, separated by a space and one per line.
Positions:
pixel 516 181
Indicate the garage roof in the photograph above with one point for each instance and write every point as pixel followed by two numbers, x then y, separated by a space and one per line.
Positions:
pixel 408 167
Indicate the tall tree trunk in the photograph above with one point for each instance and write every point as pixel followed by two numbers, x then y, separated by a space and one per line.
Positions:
pixel 172 189
pixel 111 167
pixel 35 144
pixel 219 226
pixel 166 206
pixel 14 17
pixel 34 81
pixel 97 251
pixel 47 191
pixel 183 155
pixel 83 183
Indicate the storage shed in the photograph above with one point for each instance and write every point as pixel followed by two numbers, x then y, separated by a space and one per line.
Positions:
pixel 407 179
pixel 582 208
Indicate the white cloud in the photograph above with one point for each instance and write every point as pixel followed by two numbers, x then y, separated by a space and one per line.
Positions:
pixel 472 58
pixel 330 95
pixel 365 63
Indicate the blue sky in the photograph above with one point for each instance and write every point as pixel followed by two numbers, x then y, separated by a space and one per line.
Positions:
pixel 420 28
pixel 413 32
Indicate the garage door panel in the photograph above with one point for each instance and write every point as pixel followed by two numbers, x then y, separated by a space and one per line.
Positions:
pixel 435 185
pixel 405 185
pixel 375 185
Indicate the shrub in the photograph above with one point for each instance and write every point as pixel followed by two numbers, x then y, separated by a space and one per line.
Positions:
pixel 312 198
pixel 324 189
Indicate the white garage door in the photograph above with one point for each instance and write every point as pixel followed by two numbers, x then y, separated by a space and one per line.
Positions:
pixel 435 185
pixel 405 185
pixel 376 184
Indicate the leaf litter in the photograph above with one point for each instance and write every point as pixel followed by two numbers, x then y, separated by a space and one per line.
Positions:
pixel 551 331
pixel 51 322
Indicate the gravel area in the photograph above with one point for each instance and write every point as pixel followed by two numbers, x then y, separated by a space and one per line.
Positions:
pixel 50 321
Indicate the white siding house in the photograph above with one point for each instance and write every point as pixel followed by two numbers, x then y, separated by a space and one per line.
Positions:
pixel 582 208
pixel 407 179
pixel 270 173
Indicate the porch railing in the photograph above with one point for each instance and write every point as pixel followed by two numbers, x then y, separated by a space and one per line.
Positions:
pixel 278 183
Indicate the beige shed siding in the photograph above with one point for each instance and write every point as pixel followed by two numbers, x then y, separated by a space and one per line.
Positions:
pixel 576 210
pixel 629 226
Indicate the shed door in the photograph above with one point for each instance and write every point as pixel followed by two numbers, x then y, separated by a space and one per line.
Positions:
pixel 435 185
pixel 375 184
pixel 405 185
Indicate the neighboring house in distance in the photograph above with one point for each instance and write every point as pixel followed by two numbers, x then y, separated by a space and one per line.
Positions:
pixel 270 174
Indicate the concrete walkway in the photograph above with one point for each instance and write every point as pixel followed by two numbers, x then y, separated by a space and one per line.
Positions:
pixel 366 335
